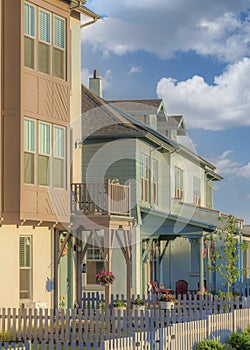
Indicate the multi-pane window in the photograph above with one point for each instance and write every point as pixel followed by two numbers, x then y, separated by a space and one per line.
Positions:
pixel 59 48
pixel 59 157
pixel 25 267
pixel 29 35
pixel 44 42
pixel 178 185
pixel 51 47
pixel 155 181
pixel 196 191
pixel 44 153
pixel 95 261
pixel 38 159
pixel 145 178
pixel 29 151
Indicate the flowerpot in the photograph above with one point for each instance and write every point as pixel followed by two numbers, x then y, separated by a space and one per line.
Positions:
pixel 166 305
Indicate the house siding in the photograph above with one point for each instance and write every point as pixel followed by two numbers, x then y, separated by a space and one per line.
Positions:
pixel 41 261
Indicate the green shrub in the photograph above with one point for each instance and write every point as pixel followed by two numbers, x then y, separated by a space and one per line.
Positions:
pixel 6 337
pixel 227 347
pixel 239 341
pixel 209 345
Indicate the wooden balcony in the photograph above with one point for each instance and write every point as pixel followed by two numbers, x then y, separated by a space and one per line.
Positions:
pixel 100 199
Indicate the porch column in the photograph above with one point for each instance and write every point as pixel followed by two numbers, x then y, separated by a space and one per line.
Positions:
pixel 107 265
pixel 56 249
pixel 201 241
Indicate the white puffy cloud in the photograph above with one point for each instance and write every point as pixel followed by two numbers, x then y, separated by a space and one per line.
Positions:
pixel 164 27
pixel 225 165
pixel 224 104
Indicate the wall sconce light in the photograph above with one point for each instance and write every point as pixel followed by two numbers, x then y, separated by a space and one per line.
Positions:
pixel 78 143
pixel 84 268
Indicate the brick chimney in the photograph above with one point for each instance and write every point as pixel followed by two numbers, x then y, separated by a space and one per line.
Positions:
pixel 95 84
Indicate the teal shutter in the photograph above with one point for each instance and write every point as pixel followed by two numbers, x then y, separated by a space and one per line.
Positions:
pixel 59 32
pixel 29 20
pixel 44 26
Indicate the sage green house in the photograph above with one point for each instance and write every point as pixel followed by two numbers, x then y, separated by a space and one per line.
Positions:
pixel 135 142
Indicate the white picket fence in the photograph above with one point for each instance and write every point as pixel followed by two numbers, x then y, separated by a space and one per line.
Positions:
pixel 180 336
pixel 94 325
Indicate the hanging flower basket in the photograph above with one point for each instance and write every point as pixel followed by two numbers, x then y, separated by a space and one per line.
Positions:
pixel 105 278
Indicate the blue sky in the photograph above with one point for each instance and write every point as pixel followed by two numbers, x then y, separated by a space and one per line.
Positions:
pixel 196 56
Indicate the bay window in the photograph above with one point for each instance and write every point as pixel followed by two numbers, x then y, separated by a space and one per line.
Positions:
pixel 59 157
pixel 44 153
pixel 29 35
pixel 44 42
pixel 59 48
pixel 49 44
pixel 29 151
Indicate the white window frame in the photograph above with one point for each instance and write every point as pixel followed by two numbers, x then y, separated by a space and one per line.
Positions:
pixel 58 155
pixel 155 181
pixel 94 255
pixel 178 183
pixel 42 151
pixel 58 47
pixel 30 35
pixel 196 191
pixel 29 149
pixel 45 42
pixel 23 268
pixel 145 178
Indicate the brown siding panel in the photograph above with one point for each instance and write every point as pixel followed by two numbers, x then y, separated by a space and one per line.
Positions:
pixel 45 98
pixel 61 102
pixel 30 92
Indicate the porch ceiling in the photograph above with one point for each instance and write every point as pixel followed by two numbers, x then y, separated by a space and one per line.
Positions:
pixel 156 223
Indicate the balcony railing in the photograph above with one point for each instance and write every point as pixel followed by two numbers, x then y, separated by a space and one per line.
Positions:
pixel 197 213
pixel 100 199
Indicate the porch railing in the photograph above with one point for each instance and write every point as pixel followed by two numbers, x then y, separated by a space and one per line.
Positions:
pixel 100 199
pixel 191 211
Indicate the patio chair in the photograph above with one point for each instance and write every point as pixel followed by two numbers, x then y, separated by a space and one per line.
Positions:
pixel 159 291
pixel 181 287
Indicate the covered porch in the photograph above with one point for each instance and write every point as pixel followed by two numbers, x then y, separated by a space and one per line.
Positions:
pixel 176 248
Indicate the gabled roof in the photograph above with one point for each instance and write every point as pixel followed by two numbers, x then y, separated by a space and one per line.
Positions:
pixel 152 106
pixel 101 119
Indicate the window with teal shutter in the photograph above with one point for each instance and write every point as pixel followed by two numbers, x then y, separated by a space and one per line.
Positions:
pixel 29 35
pixel 29 20
pixel 59 29
pixel 59 168
pixel 44 42
pixel 44 154
pixel 44 26
pixel 59 48
pixel 29 151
